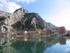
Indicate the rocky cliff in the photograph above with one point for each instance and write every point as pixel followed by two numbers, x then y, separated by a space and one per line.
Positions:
pixel 12 18
pixel 22 19
pixel 32 21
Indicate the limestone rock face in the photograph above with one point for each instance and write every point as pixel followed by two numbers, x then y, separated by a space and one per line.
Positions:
pixel 23 19
pixel 33 21
pixel 13 18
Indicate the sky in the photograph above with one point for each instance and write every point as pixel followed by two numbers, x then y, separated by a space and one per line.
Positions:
pixel 56 12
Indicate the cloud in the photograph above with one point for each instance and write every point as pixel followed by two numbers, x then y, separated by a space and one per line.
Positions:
pixel 12 5
pixel 25 1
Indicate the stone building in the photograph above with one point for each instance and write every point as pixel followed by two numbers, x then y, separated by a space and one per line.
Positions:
pixel 61 30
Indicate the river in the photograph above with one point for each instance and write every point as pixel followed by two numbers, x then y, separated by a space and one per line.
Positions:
pixel 49 45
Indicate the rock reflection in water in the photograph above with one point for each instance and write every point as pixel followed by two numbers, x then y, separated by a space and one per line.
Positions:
pixel 24 47
pixel 62 40
pixel 62 46
pixel 32 46
pixel 28 47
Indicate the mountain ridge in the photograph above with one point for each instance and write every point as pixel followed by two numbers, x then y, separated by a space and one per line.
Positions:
pixel 22 16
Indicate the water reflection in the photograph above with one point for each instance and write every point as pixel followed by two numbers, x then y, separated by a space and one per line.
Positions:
pixel 62 46
pixel 49 45
pixel 29 47
pixel 62 40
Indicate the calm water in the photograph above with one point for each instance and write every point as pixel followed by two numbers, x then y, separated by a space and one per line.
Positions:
pixel 49 45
